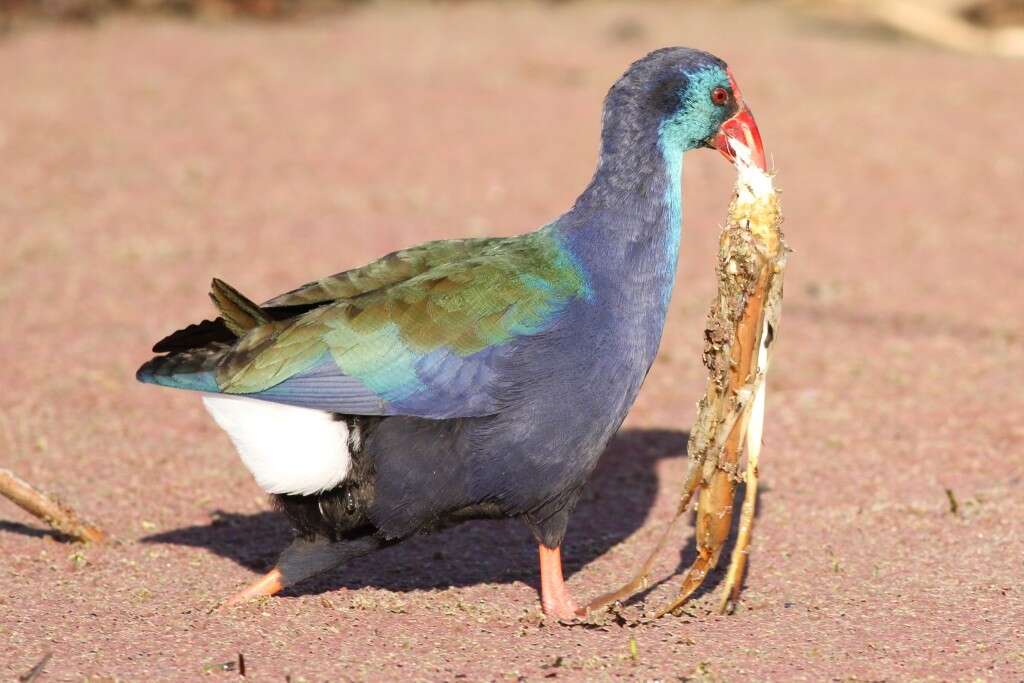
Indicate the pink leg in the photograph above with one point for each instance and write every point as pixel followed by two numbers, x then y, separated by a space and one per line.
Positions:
pixel 554 595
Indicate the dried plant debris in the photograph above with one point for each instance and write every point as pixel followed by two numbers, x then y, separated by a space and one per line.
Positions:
pixel 740 329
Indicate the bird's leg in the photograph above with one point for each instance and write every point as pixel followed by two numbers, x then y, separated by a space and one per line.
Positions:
pixel 554 594
pixel 303 559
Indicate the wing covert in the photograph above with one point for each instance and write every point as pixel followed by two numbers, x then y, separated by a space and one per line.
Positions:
pixel 428 345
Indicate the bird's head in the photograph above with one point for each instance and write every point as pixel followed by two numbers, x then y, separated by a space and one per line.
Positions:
pixel 690 98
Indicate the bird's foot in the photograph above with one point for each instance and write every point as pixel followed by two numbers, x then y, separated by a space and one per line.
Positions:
pixel 268 584
pixel 562 607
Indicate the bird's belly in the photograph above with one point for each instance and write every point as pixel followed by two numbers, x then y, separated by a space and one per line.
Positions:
pixel 286 448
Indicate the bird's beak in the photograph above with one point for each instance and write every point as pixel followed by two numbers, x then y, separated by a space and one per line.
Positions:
pixel 742 128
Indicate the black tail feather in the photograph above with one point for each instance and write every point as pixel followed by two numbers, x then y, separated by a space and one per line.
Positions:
pixel 195 336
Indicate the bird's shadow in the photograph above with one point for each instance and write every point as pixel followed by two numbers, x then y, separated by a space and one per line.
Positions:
pixel 614 506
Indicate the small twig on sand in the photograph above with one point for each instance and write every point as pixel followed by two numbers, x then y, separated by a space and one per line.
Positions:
pixel 37 670
pixel 55 513
pixel 954 505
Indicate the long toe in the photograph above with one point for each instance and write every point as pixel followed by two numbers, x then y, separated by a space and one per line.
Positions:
pixel 561 606
pixel 269 584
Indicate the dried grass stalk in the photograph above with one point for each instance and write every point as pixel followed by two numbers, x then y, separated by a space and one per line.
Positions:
pixel 52 511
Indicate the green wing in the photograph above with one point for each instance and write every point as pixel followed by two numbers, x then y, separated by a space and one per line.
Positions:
pixel 422 332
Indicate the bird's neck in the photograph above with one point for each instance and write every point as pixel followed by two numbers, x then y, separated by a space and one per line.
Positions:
pixel 625 227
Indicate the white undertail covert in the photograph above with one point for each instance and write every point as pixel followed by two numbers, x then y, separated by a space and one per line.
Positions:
pixel 287 449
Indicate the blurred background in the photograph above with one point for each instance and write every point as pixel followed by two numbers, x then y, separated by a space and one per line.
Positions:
pixel 963 24
pixel 149 145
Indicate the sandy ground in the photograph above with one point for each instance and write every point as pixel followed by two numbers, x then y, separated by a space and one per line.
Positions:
pixel 140 158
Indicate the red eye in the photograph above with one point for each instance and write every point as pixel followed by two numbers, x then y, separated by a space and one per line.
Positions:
pixel 720 96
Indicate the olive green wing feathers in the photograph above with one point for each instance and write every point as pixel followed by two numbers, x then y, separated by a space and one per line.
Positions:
pixel 426 345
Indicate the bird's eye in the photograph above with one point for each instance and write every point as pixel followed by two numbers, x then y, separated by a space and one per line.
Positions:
pixel 720 96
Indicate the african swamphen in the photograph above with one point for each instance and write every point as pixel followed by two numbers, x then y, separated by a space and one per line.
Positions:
pixel 473 378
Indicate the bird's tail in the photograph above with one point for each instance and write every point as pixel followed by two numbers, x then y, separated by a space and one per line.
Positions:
pixel 194 353
pixel 193 369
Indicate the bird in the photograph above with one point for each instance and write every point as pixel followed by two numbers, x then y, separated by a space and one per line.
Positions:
pixel 470 378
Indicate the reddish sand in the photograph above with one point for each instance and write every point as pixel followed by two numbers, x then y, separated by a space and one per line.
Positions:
pixel 141 157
